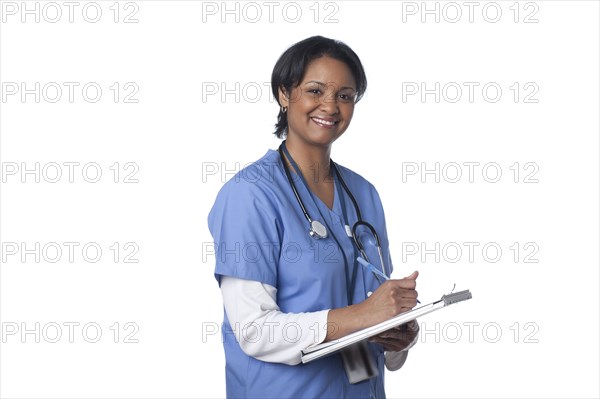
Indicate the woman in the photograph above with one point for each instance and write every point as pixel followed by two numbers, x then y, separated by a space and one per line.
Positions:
pixel 286 259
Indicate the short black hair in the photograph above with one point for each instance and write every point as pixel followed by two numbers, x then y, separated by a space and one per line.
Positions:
pixel 291 67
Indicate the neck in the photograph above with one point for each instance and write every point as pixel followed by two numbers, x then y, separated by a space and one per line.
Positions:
pixel 313 161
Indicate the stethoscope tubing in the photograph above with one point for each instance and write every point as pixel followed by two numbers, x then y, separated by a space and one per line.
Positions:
pixel 356 225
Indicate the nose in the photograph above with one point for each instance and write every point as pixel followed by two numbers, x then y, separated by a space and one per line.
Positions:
pixel 329 104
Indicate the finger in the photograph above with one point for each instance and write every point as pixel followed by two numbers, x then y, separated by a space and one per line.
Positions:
pixel 412 326
pixel 392 333
pixel 388 345
pixel 413 276
pixel 405 300
pixel 376 340
pixel 407 305
pixel 394 336
pixel 404 283
pixel 394 345
pixel 406 293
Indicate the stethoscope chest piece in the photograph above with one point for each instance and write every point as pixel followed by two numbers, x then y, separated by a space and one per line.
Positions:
pixel 317 230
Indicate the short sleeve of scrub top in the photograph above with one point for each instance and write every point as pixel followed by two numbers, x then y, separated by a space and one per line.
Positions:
pixel 246 230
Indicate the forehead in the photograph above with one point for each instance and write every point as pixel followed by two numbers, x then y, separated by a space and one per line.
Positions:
pixel 329 70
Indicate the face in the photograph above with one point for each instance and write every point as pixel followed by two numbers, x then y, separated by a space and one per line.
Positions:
pixel 320 108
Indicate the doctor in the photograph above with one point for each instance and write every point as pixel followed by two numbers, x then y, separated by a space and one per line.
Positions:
pixel 285 252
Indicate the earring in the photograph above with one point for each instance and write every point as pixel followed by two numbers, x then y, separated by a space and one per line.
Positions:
pixel 284 109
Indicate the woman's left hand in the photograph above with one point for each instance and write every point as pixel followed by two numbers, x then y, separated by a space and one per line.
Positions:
pixel 398 338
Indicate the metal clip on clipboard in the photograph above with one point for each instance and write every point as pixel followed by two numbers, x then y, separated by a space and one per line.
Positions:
pixel 327 348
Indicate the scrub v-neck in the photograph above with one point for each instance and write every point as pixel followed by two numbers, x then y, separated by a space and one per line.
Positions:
pixel 334 213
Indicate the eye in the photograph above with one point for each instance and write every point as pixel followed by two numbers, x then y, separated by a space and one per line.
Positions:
pixel 346 97
pixel 314 91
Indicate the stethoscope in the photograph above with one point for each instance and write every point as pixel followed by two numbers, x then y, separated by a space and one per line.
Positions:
pixel 317 229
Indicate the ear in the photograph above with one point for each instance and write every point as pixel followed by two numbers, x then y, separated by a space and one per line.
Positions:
pixel 284 98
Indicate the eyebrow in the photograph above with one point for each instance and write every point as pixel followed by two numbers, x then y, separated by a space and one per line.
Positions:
pixel 323 84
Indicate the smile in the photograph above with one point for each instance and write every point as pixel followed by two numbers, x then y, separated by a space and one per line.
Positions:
pixel 324 123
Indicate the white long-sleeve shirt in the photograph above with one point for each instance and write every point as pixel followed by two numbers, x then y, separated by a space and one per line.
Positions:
pixel 267 334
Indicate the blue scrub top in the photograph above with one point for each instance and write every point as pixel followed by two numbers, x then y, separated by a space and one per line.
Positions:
pixel 261 234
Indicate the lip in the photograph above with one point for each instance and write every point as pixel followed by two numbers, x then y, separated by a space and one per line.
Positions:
pixel 316 119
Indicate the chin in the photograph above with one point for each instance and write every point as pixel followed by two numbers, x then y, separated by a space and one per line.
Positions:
pixel 322 139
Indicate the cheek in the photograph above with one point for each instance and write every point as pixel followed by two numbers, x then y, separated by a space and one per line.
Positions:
pixel 298 120
pixel 304 108
pixel 308 104
pixel 348 114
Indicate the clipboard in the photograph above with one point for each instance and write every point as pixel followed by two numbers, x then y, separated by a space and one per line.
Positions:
pixel 328 348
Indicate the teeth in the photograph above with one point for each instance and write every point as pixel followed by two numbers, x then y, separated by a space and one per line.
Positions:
pixel 324 122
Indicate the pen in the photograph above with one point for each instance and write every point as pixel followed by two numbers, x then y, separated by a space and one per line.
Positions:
pixel 372 268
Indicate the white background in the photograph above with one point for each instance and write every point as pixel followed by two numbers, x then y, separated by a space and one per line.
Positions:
pixel 178 132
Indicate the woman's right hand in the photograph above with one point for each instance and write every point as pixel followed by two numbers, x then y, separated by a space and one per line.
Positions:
pixel 390 299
